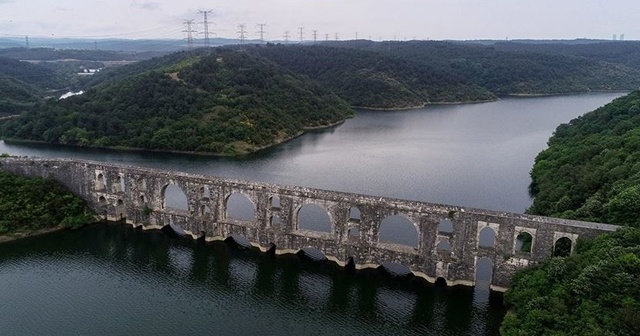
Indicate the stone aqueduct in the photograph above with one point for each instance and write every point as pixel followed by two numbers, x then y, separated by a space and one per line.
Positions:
pixel 137 195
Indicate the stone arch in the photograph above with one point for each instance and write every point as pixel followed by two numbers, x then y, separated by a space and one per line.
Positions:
pixel 398 229
pixel 523 242
pixel 275 221
pixel 119 185
pixel 142 199
pixel 204 209
pixel 239 206
pixel 275 202
pixel 562 247
pixel 355 214
pixel 312 253
pixel 445 226
pixel 205 192
pixel 487 237
pixel 313 217
pixel 120 209
pixel 100 182
pixel 396 269
pixel 443 246
pixel 142 184
pixel 102 200
pixel 173 197
pixel 484 272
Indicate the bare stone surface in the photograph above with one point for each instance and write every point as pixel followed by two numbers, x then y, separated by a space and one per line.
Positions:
pixel 142 203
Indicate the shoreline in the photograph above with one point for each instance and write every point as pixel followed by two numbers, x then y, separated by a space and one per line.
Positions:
pixel 415 107
pixel 134 149
pixel 15 236
pixel 558 94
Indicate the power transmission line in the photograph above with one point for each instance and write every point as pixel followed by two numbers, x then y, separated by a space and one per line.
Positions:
pixel 326 37
pixel 26 39
pixel 261 31
pixel 206 25
pixel 315 36
pixel 301 29
pixel 336 36
pixel 189 31
pixel 242 32
pixel 286 36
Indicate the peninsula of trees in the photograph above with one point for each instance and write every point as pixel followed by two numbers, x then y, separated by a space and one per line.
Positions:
pixel 214 101
pixel 591 171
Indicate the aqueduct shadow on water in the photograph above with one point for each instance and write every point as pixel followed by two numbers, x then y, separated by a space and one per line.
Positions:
pixel 434 241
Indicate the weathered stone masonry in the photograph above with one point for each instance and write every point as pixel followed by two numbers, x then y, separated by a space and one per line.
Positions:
pixel 137 195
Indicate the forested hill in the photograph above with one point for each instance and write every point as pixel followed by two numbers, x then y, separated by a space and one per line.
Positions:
pixel 506 72
pixel 22 84
pixel 368 79
pixel 216 101
pixel 591 170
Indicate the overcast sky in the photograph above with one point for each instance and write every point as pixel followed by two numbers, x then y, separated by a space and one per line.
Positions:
pixel 375 19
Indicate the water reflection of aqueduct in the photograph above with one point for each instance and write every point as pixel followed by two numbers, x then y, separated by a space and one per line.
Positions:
pixel 432 240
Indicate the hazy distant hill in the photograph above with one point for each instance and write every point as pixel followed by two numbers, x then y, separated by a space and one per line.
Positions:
pixel 215 101
pixel 369 79
pixel 22 84
pixel 506 72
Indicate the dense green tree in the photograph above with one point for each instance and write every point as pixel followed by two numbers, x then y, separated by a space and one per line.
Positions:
pixel 591 170
pixel 217 101
pixel 33 203
pixel 594 292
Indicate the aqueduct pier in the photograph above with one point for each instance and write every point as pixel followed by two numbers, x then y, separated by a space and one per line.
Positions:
pixel 449 244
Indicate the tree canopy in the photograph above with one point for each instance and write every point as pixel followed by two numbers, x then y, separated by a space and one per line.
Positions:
pixel 591 170
pixel 218 101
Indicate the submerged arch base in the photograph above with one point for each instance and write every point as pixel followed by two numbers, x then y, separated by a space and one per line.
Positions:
pixel 337 261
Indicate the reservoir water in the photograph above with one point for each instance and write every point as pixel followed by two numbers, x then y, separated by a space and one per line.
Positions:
pixel 110 279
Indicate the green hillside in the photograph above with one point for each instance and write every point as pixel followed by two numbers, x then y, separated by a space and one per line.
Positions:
pixel 218 101
pixel 591 170
pixel 505 72
pixel 368 79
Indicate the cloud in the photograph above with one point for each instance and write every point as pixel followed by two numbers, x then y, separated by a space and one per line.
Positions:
pixel 148 5
pixel 4 2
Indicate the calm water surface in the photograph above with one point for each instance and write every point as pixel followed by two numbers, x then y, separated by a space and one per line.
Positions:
pixel 111 279
pixel 475 155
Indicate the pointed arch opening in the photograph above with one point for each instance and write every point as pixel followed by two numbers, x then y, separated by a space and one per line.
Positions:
pixel 142 184
pixel 240 207
pixel 102 200
pixel 120 209
pixel 275 220
pixel 524 242
pixel 205 192
pixel 312 217
pixel 174 198
pixel 562 247
pixel 398 229
pixel 100 182
pixel 487 237
pixel 204 210
pixel 119 186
